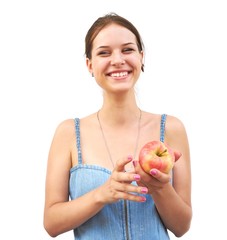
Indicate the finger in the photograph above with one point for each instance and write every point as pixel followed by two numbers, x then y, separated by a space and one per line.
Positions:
pixel 155 173
pixel 133 197
pixel 126 177
pixel 139 170
pixel 136 164
pixel 177 155
pixel 161 177
pixel 130 188
pixel 120 164
pixel 130 192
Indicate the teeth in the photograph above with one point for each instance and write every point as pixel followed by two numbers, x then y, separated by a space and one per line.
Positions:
pixel 122 74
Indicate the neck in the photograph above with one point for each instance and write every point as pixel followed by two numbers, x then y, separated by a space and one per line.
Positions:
pixel 120 106
pixel 119 114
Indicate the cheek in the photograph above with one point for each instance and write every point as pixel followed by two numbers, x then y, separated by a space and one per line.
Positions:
pixel 100 65
pixel 136 62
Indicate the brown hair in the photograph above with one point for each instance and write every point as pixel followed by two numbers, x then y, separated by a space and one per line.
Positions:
pixel 102 22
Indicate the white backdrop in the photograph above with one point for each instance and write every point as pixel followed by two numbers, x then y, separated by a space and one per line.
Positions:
pixel 44 80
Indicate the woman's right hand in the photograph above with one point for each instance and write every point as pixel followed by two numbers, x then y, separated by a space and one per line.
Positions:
pixel 119 185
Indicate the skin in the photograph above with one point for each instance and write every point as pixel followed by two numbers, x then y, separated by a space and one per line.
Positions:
pixel 115 51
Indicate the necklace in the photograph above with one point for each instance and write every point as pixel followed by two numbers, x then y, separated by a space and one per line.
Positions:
pixel 105 141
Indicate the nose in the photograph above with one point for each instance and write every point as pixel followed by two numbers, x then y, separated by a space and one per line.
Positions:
pixel 117 59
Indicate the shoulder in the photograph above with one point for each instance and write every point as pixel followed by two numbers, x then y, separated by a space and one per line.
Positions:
pixel 65 129
pixel 65 125
pixel 68 125
pixel 62 142
pixel 154 120
pixel 174 124
pixel 171 121
pixel 175 132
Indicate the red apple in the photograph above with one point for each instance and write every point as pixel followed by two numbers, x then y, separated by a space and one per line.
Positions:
pixel 156 154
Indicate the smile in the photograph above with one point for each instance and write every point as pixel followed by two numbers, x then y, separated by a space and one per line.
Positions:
pixel 119 74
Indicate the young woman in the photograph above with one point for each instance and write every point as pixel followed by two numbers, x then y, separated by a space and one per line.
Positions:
pixel 95 185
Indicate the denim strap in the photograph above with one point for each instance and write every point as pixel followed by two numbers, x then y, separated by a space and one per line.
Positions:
pixel 162 127
pixel 77 128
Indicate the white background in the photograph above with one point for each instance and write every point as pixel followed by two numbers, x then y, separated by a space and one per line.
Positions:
pixel 44 80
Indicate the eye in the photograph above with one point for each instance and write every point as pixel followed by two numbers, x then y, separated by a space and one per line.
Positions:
pixel 128 50
pixel 103 53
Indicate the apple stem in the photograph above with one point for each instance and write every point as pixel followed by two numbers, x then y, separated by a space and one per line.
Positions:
pixel 160 154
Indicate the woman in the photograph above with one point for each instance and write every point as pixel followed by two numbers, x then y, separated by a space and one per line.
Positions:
pixel 94 160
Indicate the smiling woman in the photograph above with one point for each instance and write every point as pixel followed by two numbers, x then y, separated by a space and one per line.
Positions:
pixel 115 59
pixel 103 149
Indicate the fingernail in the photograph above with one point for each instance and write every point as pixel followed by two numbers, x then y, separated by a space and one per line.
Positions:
pixel 143 199
pixel 134 163
pixel 144 190
pixel 129 157
pixel 137 177
pixel 153 172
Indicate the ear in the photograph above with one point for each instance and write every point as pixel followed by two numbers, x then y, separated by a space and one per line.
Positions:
pixel 89 65
pixel 142 54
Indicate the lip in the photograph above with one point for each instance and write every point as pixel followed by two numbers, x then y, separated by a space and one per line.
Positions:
pixel 119 74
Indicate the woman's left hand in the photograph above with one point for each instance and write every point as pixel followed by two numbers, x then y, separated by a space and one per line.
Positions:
pixel 154 181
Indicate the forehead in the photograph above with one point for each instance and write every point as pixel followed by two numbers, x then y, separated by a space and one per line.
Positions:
pixel 114 34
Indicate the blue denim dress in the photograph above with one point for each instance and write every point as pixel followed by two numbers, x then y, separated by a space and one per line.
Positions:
pixel 123 220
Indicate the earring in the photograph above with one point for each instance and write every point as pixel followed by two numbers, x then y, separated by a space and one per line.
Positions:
pixel 92 74
pixel 142 67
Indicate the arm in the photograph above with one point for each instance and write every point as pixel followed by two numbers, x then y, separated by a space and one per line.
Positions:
pixel 173 202
pixel 60 214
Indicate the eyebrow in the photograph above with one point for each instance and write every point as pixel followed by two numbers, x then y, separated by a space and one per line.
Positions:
pixel 125 44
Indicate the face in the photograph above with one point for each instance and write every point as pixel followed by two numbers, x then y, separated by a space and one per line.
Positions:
pixel 116 60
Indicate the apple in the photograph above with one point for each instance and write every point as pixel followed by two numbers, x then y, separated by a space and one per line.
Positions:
pixel 156 154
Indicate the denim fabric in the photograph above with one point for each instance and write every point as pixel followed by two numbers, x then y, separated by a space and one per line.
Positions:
pixel 124 220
